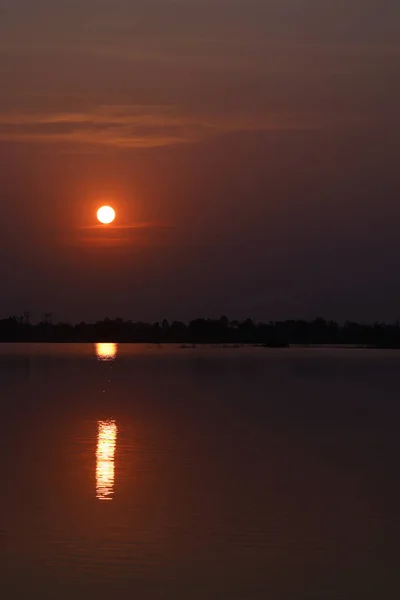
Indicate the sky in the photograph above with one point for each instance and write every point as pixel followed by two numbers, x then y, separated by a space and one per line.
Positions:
pixel 249 147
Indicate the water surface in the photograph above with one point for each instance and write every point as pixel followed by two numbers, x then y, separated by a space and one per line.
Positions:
pixel 168 473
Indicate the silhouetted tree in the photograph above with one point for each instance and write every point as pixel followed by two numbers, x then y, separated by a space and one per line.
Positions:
pixel 278 333
pixel 47 316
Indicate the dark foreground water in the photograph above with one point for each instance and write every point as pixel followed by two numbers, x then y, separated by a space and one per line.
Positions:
pixel 215 474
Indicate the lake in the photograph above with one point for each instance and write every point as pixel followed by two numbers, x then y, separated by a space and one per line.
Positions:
pixel 205 473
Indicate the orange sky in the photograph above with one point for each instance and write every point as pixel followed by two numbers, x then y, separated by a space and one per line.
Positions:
pixel 257 141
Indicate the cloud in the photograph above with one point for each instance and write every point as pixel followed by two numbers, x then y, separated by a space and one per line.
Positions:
pixel 113 228
pixel 138 234
pixel 138 126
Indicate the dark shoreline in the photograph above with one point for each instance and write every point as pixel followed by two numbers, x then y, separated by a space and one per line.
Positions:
pixel 216 345
pixel 274 334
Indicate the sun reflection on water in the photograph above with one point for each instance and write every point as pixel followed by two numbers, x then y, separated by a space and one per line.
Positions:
pixel 105 451
pixel 106 351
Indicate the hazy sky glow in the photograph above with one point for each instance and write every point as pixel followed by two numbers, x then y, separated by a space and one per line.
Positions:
pixel 250 148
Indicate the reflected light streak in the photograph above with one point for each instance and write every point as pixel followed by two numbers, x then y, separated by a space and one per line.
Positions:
pixel 105 451
pixel 106 351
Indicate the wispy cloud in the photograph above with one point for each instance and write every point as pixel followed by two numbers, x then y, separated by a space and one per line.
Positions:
pixel 127 235
pixel 139 225
pixel 137 126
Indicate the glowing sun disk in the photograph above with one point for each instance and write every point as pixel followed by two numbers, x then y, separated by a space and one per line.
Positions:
pixel 106 215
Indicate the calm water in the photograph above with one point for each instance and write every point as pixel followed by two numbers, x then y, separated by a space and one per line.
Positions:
pixel 213 474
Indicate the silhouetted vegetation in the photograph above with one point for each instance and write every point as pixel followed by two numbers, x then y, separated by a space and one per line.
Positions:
pixel 224 331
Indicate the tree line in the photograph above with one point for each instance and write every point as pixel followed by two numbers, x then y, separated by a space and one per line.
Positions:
pixel 202 330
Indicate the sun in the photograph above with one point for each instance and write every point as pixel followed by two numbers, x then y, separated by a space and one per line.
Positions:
pixel 106 215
